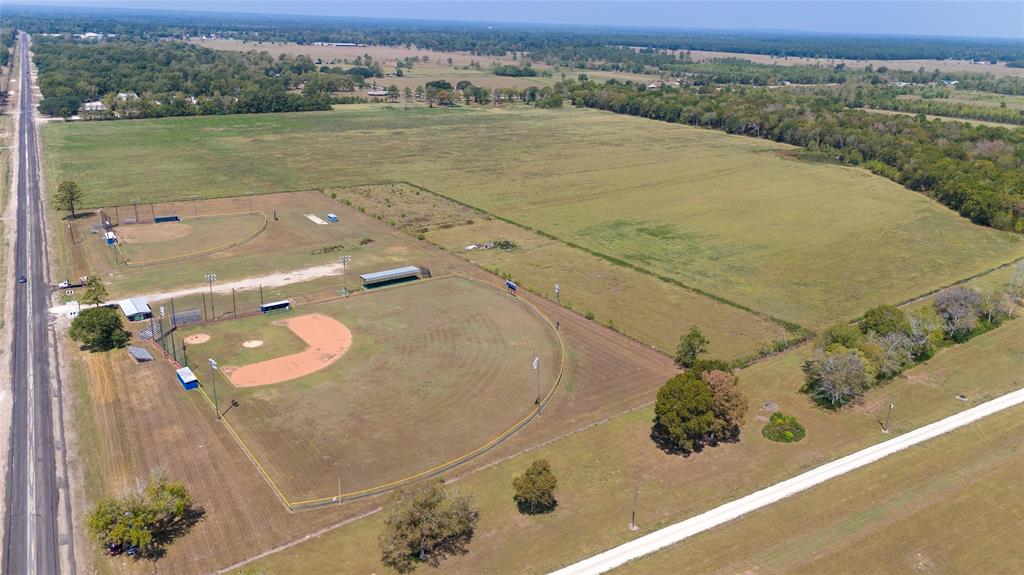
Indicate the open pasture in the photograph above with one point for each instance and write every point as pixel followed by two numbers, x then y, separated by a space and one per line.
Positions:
pixel 920 511
pixel 637 304
pixel 732 216
pixel 1000 69
pixel 224 237
pixel 434 370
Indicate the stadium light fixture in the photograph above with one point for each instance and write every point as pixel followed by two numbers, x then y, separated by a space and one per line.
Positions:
pixel 212 278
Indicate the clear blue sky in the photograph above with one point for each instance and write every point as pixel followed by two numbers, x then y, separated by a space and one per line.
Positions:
pixel 1000 18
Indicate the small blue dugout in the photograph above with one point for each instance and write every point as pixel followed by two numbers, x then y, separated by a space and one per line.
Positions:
pixel 187 379
pixel 333 218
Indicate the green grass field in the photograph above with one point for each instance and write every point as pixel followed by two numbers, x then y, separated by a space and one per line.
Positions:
pixel 951 505
pixel 733 216
pixel 599 468
pixel 436 369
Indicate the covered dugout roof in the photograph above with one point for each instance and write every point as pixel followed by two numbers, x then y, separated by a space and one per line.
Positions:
pixel 134 306
pixel 185 375
pixel 388 275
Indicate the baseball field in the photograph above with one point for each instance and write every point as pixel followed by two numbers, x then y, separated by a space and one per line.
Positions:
pixel 377 387
pixel 735 217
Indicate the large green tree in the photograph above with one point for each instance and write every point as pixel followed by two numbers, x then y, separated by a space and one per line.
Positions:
pixel 683 413
pixel 884 320
pixel 535 489
pixel 426 524
pixel 95 291
pixel 99 329
pixel 149 519
pixel 690 347
pixel 68 197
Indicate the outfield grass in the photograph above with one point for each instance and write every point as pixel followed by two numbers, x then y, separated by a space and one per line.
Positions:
pixel 951 505
pixel 806 242
pixel 436 369
pixel 599 468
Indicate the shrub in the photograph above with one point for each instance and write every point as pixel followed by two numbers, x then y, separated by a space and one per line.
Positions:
pixel 883 320
pixel 783 428
pixel 535 489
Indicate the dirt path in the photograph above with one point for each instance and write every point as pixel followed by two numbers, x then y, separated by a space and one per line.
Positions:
pixel 267 281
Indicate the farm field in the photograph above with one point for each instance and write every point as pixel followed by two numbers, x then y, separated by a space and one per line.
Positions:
pixel 290 242
pixel 976 98
pixel 436 68
pixel 435 370
pixel 945 118
pixel 920 511
pixel 728 215
pixel 1000 69
pixel 599 468
pixel 639 305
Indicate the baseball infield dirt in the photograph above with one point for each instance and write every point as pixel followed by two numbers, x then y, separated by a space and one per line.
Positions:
pixel 328 340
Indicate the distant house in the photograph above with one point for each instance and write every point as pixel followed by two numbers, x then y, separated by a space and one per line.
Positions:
pixel 96 106
pixel 377 93
pixel 125 96
pixel 135 308
pixel 659 84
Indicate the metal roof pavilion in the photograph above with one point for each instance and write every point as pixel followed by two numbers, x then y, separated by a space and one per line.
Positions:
pixel 393 274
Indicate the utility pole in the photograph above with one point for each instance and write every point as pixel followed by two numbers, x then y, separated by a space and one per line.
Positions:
pixel 234 307
pixel 888 416
pixel 250 194
pixel 135 204
pixel 636 497
pixel 211 278
pixel 195 210
pixel 344 273
pixel 213 382
pixel 558 304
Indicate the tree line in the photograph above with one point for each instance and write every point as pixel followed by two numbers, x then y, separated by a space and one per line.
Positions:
pixel 171 79
pixel 484 40
pixel 976 170
pixel 850 359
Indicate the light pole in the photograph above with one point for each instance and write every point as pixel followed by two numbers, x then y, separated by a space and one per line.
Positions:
pixel 212 278
pixel 536 371
pixel 344 273
pixel 885 428
pixel 213 382
pixel 250 194
pixel 195 209
pixel 135 204
pixel 558 303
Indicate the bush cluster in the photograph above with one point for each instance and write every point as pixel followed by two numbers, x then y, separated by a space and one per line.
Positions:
pixel 783 429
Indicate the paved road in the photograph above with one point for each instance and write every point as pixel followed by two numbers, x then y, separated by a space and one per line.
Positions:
pixel 675 533
pixel 30 530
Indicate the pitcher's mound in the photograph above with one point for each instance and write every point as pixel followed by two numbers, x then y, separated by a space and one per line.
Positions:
pixel 197 338
pixel 253 343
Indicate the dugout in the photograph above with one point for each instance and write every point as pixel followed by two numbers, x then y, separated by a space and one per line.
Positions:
pixel 283 305
pixel 187 379
pixel 164 219
pixel 392 276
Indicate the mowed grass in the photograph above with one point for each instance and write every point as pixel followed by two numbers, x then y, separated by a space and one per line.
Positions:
pixel 733 216
pixel 951 505
pixel 599 468
pixel 436 369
